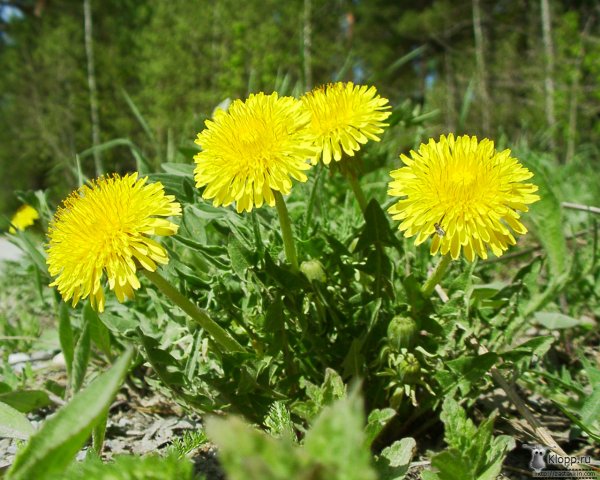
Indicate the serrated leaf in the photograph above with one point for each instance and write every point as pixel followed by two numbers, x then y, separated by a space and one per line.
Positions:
pixel 451 466
pixel 131 467
pixel 534 347
pixel 337 440
pixel 473 452
pixel 238 257
pixel 279 421
pixel 54 446
pixel 590 411
pixel 288 279
pixel 419 304
pixel 118 325
pixel 394 461
pixel 186 273
pixel 13 424
pixel 458 429
pixel 377 229
pixel 377 420
pixel 246 453
pixel 468 370
pixel 166 366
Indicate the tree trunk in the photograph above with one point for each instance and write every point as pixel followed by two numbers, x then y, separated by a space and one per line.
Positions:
pixel 548 72
pixel 450 92
pixel 307 44
pixel 482 86
pixel 93 93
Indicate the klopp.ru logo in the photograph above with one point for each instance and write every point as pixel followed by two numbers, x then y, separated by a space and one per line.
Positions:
pixel 542 458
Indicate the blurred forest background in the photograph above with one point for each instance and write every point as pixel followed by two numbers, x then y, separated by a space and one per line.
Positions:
pixel 141 76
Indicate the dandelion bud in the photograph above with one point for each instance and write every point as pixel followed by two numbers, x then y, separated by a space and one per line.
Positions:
pixel 409 368
pixel 401 332
pixel 463 194
pixel 313 270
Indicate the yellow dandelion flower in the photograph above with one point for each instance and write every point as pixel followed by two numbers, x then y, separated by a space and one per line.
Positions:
pixel 102 228
pixel 464 193
pixel 24 217
pixel 253 148
pixel 344 116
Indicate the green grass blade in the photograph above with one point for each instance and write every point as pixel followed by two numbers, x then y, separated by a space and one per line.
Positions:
pixel 547 218
pixel 49 452
pixel 140 118
pixel 65 336
pixel 81 358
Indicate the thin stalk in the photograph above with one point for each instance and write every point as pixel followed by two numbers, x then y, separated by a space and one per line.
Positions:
pixel 358 191
pixel 286 230
pixel 436 276
pixel 312 198
pixel 218 334
pixel 541 433
pixel 93 91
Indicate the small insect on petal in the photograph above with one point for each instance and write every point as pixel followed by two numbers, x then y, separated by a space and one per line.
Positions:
pixel 476 186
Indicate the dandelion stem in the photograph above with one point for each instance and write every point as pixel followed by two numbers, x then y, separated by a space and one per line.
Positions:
pixel 286 230
pixel 218 334
pixel 358 191
pixel 436 276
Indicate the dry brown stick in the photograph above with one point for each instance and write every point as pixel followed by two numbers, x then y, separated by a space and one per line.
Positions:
pixel 540 432
pixel 583 208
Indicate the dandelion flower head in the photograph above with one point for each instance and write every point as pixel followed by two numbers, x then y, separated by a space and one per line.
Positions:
pixel 464 193
pixel 102 228
pixel 344 116
pixel 24 217
pixel 253 148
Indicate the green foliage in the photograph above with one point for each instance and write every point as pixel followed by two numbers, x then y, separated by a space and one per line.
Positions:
pixel 52 448
pixel 473 452
pixel 355 310
pixel 129 467
pixel 547 217
pixel 575 394
pixel 25 400
pixel 279 421
pixel 333 447
pixel 13 424
pixel 394 461
pixel 188 443
pixel 81 357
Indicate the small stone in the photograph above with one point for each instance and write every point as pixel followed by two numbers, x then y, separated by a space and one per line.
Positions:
pixel 59 360
pixel 18 357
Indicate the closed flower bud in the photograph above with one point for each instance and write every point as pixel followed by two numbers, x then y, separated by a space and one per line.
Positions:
pixel 401 332
pixel 409 368
pixel 313 270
